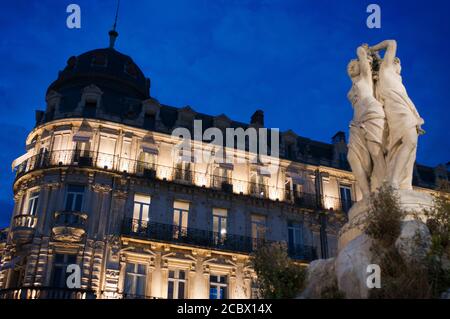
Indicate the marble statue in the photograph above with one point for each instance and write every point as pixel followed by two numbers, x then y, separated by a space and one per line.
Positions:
pixel 404 122
pixel 385 126
pixel 365 151
pixel 382 148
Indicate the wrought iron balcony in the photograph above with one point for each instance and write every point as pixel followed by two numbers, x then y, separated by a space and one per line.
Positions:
pixel 45 293
pixel 203 238
pixel 301 199
pixel 337 204
pixel 22 229
pixel 147 170
pixel 69 226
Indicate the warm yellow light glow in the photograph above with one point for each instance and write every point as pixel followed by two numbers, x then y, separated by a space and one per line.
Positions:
pixel 164 172
pixel 201 180
pixel 329 202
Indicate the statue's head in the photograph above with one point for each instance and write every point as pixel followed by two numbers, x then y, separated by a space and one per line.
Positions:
pixel 353 68
pixel 397 65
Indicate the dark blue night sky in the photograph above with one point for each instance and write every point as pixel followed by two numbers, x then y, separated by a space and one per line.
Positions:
pixel 229 56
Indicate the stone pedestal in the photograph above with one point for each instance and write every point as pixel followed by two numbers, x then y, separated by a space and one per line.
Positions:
pixel 411 201
pixel 349 268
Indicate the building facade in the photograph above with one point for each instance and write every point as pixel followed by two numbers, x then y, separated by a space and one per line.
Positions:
pixel 102 186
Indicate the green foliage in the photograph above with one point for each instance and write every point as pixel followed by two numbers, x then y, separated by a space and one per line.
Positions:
pixel 384 217
pixel 278 276
pixel 399 278
pixel 438 222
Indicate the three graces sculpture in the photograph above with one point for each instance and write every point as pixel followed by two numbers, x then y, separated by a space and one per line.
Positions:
pixel 386 125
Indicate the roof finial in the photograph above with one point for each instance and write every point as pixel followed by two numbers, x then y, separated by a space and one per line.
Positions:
pixel 113 33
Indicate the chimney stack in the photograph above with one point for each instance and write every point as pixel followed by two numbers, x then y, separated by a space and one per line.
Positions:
pixel 257 118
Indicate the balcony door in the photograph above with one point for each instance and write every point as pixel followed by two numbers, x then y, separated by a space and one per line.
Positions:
pixel 106 151
pixel 62 148
pixel 180 219
pixel 258 230
pixel 346 197
pixel 221 176
pixel 220 218
pixel 258 184
pixel 82 154
pixel 183 171
pixel 43 157
pixel 125 155
pixel 295 237
pixel 147 164
pixel 141 211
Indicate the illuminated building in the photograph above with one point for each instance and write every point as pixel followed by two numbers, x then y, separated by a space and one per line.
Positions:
pixel 100 186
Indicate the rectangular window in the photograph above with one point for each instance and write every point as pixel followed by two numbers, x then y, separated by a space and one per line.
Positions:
pixel 106 151
pixel 62 147
pixel 346 197
pixel 221 178
pixel 141 212
pixel 59 274
pixel 147 164
pixel 219 225
pixel 74 198
pixel 218 287
pixel 258 229
pixel 295 237
pixel 176 284
pixel 125 157
pixel 61 142
pixel 183 171
pixel 33 201
pixel 180 218
pixel 258 184
pixel 135 280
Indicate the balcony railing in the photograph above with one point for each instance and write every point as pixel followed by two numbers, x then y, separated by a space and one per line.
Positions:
pixel 69 226
pixel 24 221
pixel 203 238
pixel 178 175
pixel 70 219
pixel 45 293
pixel 337 204
pixel 23 227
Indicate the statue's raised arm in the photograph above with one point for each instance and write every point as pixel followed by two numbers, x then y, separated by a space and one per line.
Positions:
pixel 364 64
pixel 391 51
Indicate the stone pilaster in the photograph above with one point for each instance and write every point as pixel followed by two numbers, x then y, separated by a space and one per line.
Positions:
pixel 32 262
pixel 42 263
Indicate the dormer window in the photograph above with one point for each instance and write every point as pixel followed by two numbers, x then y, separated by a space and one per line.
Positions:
pixel 90 108
pixel 130 69
pixel 149 121
pixel 99 59
pixel 53 100
pixel 90 100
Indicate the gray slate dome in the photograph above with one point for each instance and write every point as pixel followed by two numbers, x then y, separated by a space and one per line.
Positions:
pixel 121 81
